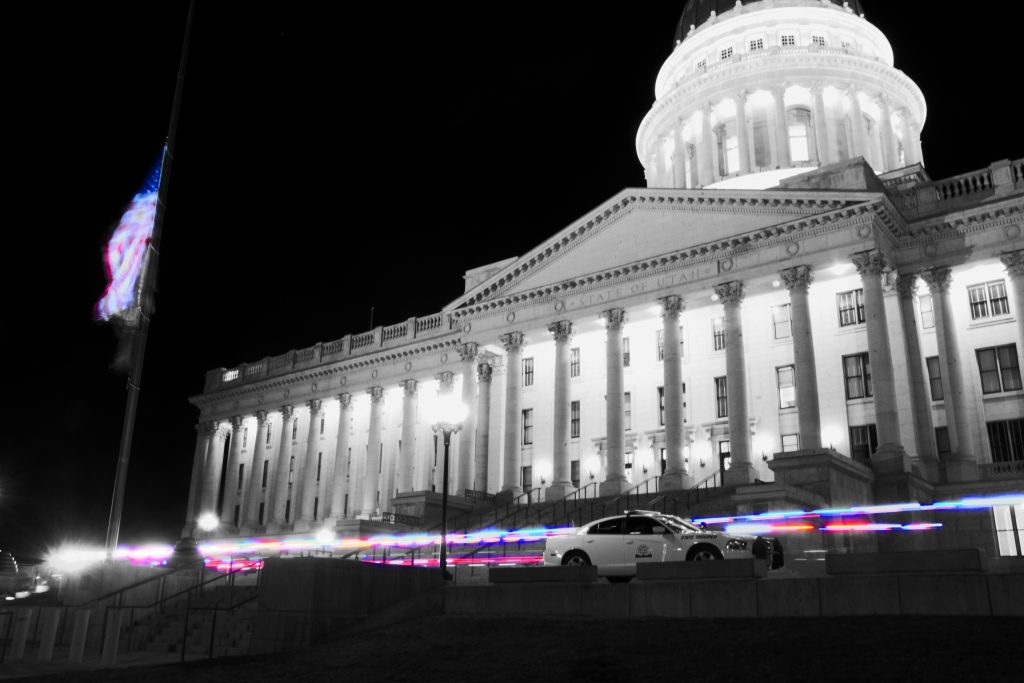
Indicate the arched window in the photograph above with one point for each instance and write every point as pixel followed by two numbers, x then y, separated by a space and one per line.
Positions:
pixel 761 141
pixel 798 120
pixel 728 149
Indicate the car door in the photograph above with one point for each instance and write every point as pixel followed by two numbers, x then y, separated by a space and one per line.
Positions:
pixel 603 543
pixel 646 540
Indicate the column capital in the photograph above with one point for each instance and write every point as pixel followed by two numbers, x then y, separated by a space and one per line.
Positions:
pixel 1014 262
pixel 938 278
pixel 261 416
pixel 614 318
pixel 468 351
pixel 512 341
pixel 236 422
pixel 672 306
pixel 797 277
pixel 779 91
pixel 286 411
pixel 209 428
pixel 906 285
pixel 561 330
pixel 730 292
pixel 871 262
pixel 483 372
pixel 408 387
pixel 818 87
pixel 345 400
pixel 706 109
pixel 376 394
pixel 741 96
pixel 445 379
pixel 314 406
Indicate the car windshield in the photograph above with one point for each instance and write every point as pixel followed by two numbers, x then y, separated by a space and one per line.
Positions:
pixel 678 523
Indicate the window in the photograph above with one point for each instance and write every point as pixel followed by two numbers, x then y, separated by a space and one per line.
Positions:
pixel 316 507
pixel 799 121
pixel 781 322
pixel 728 148
pixel 266 473
pixel 291 469
pixel 661 344
pixel 786 376
pixel 323 421
pixel 927 312
pixel 999 369
pixel 942 448
pixel 574 362
pixel 934 377
pixel 1006 438
pixel 757 44
pixel 348 464
pixel 863 443
pixel 319 464
pixel 241 475
pixel 857 372
pixel 724 455
pixel 1009 525
pixel 718 333
pixel 818 40
pixel 988 299
pixel 269 426
pixel 238 510
pixel 609 526
pixel 574 420
pixel 245 436
pixel 790 443
pixel 702 64
pixel 761 132
pixel 527 372
pixel 851 307
pixel 721 397
pixel 288 510
pixel 528 426
pixel 262 509
pixel 627 411
pixel 726 53
pixel 788 41
pixel 295 429
pixel 625 352
pixel 344 512
pixel 574 472
pixel 527 478
pixel 661 406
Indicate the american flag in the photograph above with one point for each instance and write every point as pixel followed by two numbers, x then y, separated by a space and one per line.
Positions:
pixel 125 253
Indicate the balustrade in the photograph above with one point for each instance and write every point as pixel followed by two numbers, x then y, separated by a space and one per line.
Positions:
pixel 394 332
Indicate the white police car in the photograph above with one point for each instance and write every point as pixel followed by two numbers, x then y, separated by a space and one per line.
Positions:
pixel 617 544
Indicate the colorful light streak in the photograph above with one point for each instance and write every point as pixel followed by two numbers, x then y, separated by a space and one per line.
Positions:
pixel 753 529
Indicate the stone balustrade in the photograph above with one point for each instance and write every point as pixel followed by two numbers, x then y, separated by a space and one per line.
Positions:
pixel 1000 178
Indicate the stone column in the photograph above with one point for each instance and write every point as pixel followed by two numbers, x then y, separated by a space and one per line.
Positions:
pixel 783 157
pixel 227 516
pixel 615 481
pixel 888 134
pixel 921 407
pixel 860 145
pixel 821 126
pixel 483 425
pixel 467 436
pixel 214 463
pixel 408 452
pixel 911 139
pixel 195 490
pixel 651 170
pixel 675 476
pixel 308 470
pixel 373 452
pixel 255 495
pixel 679 157
pixel 741 471
pixel 798 281
pixel 513 343
pixel 1014 262
pixel 962 464
pixel 742 135
pixel 706 156
pixel 561 479
pixel 281 490
pixel 890 457
pixel 338 482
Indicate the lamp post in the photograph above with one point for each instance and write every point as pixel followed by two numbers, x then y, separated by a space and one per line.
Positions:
pixel 450 413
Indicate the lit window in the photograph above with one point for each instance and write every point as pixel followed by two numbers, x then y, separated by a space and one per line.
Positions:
pixel 727 53
pixel 988 299
pixel 786 376
pixel 245 436
pixel 788 40
pixel 728 149
pixel 721 397
pixel 625 352
pixel 999 369
pixel 1009 525
pixel 781 324
pixel 661 406
pixel 266 473
pixel 863 443
pixel 857 373
pixel 934 377
pixel 661 344
pixel 627 411
pixel 790 443
pixel 1006 438
pixel 718 333
pixel 818 40
pixel 702 64
pixel 851 307
pixel 757 44
pixel 269 425
pixel 527 372
pixel 574 362
pixel 574 420
pixel 927 312
pixel 527 426
pixel 799 122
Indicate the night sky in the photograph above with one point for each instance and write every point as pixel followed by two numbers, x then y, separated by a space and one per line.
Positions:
pixel 327 161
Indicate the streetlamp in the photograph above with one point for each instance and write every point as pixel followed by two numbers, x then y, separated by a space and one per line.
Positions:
pixel 449 414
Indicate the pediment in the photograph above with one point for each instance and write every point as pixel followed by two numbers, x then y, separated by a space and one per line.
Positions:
pixel 637 226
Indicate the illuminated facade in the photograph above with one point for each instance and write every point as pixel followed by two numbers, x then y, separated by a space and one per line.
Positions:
pixel 857 314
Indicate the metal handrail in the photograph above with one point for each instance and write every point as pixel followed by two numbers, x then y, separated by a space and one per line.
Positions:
pixel 124 589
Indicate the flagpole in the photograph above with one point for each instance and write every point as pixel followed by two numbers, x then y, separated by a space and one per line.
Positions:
pixel 145 304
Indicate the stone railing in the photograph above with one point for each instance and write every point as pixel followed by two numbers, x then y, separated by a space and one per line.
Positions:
pixel 395 518
pixel 1012 469
pixel 999 179
pixel 435 325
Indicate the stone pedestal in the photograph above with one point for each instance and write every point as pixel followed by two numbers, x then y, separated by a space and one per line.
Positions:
pixel 613 488
pixel 558 492
pixel 427 506
pixel 675 482
pixel 833 477
pixel 902 487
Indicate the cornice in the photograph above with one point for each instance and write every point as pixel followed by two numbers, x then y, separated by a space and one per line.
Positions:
pixel 964 222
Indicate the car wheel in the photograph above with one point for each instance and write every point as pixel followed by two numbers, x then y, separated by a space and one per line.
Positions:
pixel 702 553
pixel 575 558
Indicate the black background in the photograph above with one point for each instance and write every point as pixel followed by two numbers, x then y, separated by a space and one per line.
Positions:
pixel 328 160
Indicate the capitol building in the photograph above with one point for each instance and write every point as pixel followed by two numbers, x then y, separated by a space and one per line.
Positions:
pixel 792 309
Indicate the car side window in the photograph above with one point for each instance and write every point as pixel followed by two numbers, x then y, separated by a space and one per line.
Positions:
pixel 641 525
pixel 609 526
